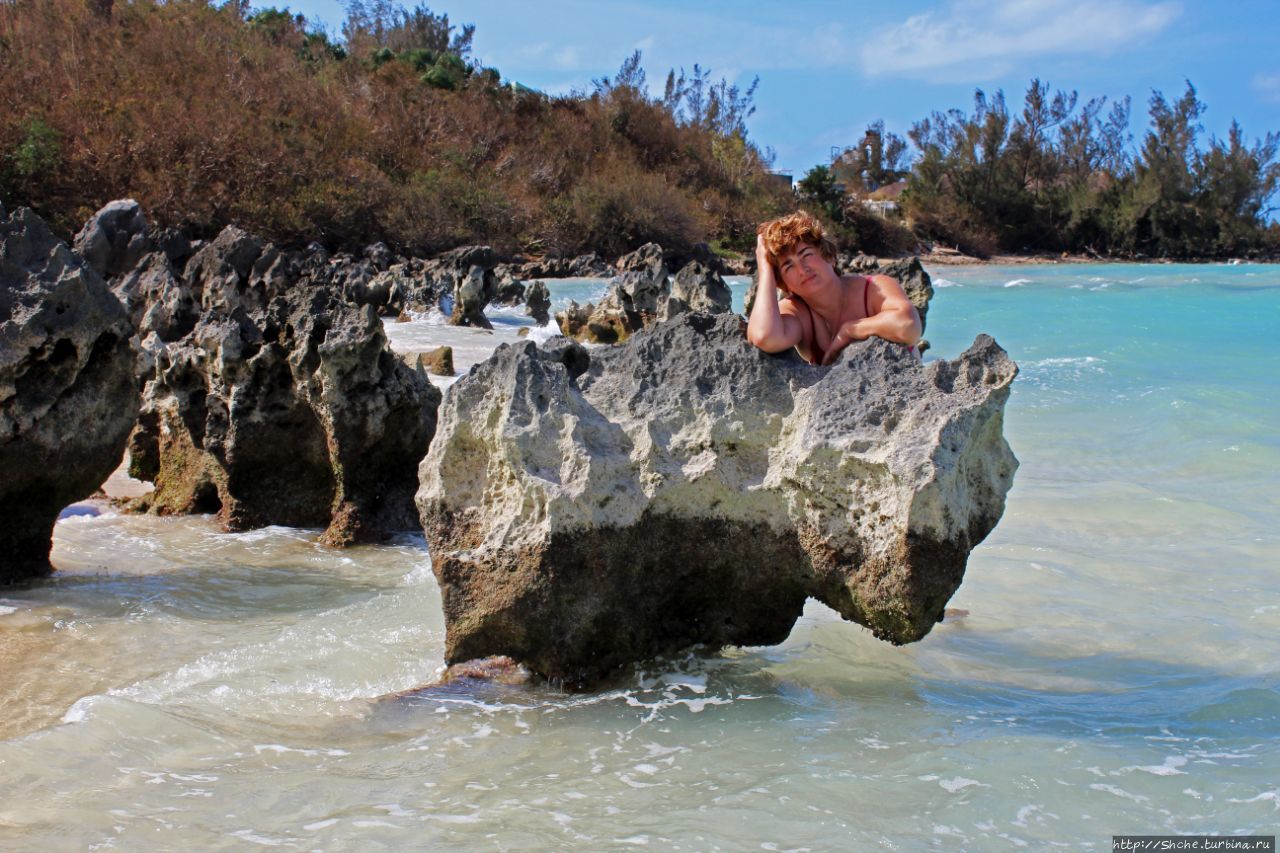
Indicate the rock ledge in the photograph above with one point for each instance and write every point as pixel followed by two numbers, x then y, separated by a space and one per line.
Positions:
pixel 586 512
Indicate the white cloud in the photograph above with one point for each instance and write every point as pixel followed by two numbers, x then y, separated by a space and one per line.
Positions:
pixel 1267 86
pixel 972 40
pixel 567 59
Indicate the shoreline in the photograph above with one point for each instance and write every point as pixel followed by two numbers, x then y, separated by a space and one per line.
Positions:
pixel 956 259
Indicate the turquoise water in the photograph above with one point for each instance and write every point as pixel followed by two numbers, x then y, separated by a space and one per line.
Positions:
pixel 1118 672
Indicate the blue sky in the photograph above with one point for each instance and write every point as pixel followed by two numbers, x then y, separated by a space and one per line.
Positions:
pixel 829 68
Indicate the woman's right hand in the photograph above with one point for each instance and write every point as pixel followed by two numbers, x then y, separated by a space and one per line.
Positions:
pixel 762 254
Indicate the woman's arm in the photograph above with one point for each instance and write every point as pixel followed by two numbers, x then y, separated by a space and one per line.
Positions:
pixel 769 328
pixel 892 317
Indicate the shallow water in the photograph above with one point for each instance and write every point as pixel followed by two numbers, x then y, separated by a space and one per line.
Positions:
pixel 175 686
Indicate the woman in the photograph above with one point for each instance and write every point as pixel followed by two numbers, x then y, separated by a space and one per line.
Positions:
pixel 821 312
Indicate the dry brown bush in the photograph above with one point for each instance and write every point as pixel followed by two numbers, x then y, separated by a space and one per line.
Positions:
pixel 207 120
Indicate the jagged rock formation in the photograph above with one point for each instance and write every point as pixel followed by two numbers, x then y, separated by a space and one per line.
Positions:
pixel 508 289
pixel 642 296
pixel 114 238
pixel 537 303
pixel 583 266
pixel 698 287
pixel 584 512
pixel 67 393
pixel 914 280
pixel 467 275
pixel 270 395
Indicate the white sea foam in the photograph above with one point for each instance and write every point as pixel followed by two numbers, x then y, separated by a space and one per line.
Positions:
pixel 1272 797
pixel 1017 282
pixel 281 749
pixel 1171 767
pixel 1071 361
pixel 79 712
pixel 1117 791
pixel 946 282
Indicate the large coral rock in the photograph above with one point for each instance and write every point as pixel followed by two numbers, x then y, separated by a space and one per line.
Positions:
pixel 67 392
pixel 275 399
pixel 585 512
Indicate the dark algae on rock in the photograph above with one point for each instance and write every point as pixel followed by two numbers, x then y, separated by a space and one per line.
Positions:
pixel 68 397
pixel 587 511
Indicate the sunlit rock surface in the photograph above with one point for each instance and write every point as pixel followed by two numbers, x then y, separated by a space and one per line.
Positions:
pixel 586 512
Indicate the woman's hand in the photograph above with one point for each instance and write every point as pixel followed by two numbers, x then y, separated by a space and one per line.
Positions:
pixel 762 254
pixel 848 333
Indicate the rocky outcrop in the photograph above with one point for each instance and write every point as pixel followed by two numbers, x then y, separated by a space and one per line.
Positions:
pixel 642 282
pixel 68 397
pixel 642 295
pixel 914 280
pixel 537 303
pixel 587 511
pixel 583 266
pixel 610 321
pixel 438 362
pixel 508 288
pixel 698 287
pixel 467 275
pixel 115 238
pixel 269 396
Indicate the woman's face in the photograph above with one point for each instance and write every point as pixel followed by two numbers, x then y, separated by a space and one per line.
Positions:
pixel 804 268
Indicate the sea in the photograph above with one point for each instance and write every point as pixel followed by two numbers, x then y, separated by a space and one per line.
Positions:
pixel 1117 669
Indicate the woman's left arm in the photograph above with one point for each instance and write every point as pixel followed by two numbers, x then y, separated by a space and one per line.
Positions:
pixel 892 317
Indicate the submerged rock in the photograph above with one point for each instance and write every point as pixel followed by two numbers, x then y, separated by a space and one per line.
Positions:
pixel 586 512
pixel 438 361
pixel 68 397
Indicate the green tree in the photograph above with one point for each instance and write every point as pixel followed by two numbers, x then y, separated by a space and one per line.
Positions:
pixel 819 187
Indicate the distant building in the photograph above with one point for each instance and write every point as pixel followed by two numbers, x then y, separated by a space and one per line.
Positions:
pixel 884 201
pixel 782 179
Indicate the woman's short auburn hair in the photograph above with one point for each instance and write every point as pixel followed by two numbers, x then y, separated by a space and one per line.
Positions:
pixel 782 236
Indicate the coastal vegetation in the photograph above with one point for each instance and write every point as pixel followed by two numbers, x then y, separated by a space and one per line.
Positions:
pixel 215 114
pixel 211 114
pixel 1065 176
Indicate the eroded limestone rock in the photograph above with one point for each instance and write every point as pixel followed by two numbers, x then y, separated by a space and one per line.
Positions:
pixel 114 238
pixel 270 397
pixel 68 397
pixel 643 295
pixel 537 303
pixel 585 512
